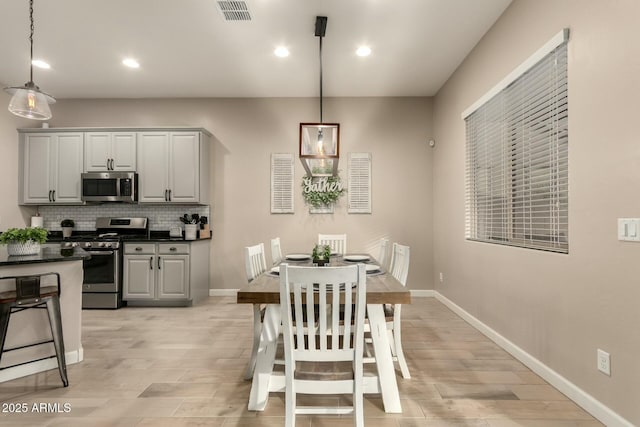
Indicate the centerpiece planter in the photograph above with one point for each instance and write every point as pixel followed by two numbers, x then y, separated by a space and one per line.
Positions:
pixel 321 255
pixel 23 241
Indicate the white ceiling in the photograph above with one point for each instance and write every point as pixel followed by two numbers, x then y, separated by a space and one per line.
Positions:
pixel 186 48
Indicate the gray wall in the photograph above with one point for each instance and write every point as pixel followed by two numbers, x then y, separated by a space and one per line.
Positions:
pixel 246 132
pixel 559 308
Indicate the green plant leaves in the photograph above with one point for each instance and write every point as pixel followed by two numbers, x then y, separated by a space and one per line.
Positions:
pixel 22 235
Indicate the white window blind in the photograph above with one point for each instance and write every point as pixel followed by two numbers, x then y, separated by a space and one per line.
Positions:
pixel 359 189
pixel 282 183
pixel 517 159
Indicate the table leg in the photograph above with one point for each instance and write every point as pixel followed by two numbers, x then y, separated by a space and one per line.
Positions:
pixel 384 362
pixel 265 358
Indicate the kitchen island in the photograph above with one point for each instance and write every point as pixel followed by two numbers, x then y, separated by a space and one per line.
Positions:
pixel 31 326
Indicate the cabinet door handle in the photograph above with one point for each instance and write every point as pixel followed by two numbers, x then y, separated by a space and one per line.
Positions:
pixel 138 249
pixel 169 195
pixel 166 195
pixel 150 263
pixel 112 167
pixel 173 249
pixel 159 262
pixel 53 193
pixel 50 195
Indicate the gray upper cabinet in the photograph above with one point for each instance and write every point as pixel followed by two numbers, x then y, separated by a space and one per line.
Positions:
pixel 109 151
pixel 51 165
pixel 173 167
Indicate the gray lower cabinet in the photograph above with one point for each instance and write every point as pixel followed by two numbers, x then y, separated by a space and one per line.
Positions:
pixel 164 274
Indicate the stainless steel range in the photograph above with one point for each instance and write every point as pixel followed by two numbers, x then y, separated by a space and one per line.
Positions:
pixel 102 285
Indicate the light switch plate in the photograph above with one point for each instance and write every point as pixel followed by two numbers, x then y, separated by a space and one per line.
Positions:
pixel 629 229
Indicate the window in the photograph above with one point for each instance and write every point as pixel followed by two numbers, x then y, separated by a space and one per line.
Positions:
pixel 517 156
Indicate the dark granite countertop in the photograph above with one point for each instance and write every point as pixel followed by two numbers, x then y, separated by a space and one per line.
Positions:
pixel 153 236
pixel 50 252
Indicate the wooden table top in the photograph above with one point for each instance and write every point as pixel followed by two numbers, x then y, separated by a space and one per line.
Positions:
pixel 381 288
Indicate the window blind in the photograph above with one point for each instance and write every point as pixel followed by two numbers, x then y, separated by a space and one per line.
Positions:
pixel 517 160
pixel 282 183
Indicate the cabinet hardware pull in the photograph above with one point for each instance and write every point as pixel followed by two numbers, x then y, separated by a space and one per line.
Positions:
pixel 169 195
pixel 49 195
pixel 54 195
pixel 173 249
pixel 159 262
pixel 150 263
pixel 138 248
pixel 166 195
pixel 111 161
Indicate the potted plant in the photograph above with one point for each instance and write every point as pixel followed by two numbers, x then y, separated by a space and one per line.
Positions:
pixel 67 227
pixel 23 241
pixel 321 254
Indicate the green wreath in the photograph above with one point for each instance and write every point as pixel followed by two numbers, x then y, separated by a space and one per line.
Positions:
pixel 331 193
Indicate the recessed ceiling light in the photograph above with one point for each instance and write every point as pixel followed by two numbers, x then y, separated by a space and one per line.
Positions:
pixel 281 52
pixel 131 63
pixel 363 51
pixel 40 64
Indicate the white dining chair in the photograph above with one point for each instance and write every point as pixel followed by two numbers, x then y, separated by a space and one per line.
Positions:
pixel 255 265
pixel 337 242
pixel 323 356
pixel 399 269
pixel 276 251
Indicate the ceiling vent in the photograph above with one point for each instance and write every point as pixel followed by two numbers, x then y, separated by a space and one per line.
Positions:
pixel 234 10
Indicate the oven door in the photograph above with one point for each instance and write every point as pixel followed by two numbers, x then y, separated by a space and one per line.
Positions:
pixel 101 272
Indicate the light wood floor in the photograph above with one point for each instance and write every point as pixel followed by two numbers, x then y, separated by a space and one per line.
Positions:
pixel 184 366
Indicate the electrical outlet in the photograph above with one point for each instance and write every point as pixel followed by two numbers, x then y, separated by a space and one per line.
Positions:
pixel 604 362
pixel 441 277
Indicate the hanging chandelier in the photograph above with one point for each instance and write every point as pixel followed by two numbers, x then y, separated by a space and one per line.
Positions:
pixel 29 101
pixel 320 142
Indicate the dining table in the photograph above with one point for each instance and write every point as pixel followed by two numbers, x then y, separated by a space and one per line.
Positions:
pixel 382 288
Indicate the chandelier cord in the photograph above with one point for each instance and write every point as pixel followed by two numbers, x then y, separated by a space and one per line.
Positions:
pixel 31 40
pixel 320 79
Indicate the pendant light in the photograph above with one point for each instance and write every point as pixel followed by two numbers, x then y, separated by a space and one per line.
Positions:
pixel 29 101
pixel 320 142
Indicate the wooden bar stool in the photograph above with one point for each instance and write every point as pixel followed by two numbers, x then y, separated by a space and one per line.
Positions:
pixel 29 294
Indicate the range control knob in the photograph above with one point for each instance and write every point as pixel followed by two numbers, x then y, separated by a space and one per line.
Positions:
pixel 102 244
pixel 88 245
pixel 109 244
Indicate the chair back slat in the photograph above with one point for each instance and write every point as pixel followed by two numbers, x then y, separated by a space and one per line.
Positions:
pixel 255 261
pixel 337 242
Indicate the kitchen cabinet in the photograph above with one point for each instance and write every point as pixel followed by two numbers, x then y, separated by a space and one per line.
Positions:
pixel 110 151
pixel 173 167
pixel 51 165
pixel 163 273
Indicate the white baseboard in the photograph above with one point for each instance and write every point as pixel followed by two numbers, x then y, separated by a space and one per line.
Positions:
pixel 71 357
pixel 223 292
pixel 573 392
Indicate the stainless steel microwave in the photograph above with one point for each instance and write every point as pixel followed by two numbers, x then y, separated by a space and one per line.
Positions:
pixel 110 187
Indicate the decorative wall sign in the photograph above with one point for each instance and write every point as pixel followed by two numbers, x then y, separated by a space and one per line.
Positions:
pixel 321 193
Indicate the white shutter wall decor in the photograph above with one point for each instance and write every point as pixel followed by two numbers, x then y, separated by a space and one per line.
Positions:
pixel 517 156
pixel 281 183
pixel 359 190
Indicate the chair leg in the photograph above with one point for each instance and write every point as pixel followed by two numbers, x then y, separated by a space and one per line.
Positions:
pixel 397 343
pixel 55 320
pixel 5 313
pixel 257 330
pixel 290 408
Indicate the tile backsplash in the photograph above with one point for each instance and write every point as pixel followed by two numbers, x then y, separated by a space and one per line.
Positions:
pixel 161 217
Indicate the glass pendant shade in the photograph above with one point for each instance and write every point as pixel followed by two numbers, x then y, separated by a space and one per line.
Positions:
pixel 29 102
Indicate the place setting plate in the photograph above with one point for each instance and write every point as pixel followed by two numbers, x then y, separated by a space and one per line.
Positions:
pixel 373 269
pixel 275 271
pixel 357 258
pixel 297 257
